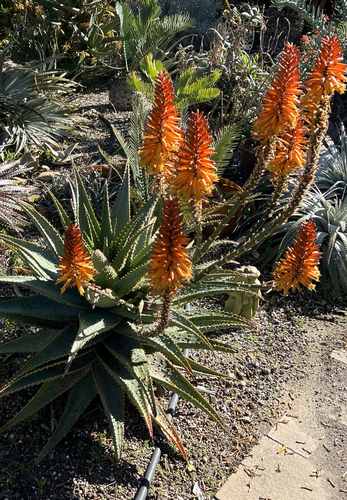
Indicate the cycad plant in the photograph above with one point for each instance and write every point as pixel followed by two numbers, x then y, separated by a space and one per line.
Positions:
pixel 191 87
pixel 27 116
pixel 143 30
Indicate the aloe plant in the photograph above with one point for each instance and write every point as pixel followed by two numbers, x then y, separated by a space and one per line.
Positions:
pixel 105 343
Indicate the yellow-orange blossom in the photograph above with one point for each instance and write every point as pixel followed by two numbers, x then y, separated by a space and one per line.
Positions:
pixel 170 265
pixel 326 77
pixel 75 266
pixel 162 134
pixel 289 152
pixel 279 110
pixel 299 266
pixel 195 170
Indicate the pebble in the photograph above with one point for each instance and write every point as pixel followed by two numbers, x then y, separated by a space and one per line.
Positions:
pixel 265 371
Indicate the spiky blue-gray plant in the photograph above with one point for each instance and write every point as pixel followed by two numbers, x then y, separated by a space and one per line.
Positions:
pixel 12 192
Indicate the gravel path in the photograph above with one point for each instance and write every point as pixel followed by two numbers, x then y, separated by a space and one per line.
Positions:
pixel 304 455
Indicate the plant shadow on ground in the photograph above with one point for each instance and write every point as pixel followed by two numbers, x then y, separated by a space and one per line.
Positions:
pixel 82 462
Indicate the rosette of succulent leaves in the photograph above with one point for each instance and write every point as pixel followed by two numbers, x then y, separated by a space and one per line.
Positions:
pixel 105 344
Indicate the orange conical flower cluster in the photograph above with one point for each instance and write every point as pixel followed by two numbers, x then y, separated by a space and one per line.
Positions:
pixel 195 170
pixel 299 266
pixel 327 76
pixel 75 266
pixel 162 134
pixel 280 104
pixel 289 153
pixel 170 265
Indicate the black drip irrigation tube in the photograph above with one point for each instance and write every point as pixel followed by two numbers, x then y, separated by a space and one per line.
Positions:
pixel 145 481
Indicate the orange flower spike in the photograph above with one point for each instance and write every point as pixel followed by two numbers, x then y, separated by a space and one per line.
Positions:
pixel 196 171
pixel 162 134
pixel 75 266
pixel 299 266
pixel 328 74
pixel 290 152
pixel 170 265
pixel 280 105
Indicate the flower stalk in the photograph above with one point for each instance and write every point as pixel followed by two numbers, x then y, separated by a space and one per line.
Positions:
pixel 162 135
pixel 299 266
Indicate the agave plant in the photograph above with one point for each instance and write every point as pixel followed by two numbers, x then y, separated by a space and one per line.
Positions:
pixel 333 167
pixel 12 193
pixel 27 116
pixel 329 213
pixel 101 337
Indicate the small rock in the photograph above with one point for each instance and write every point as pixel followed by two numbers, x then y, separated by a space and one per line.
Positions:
pixel 265 371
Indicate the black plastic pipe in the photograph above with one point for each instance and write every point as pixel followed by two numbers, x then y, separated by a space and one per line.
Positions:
pixel 146 480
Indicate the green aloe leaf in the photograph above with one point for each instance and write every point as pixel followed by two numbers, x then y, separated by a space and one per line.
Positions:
pixel 184 323
pixel 106 222
pixel 120 211
pixel 47 393
pixel 170 432
pixel 45 374
pixel 131 386
pixel 63 215
pixel 36 308
pixel 127 245
pixel 174 381
pixel 58 348
pixel 145 238
pixel 138 259
pixel 211 289
pixel 164 344
pixel 122 286
pixel 84 211
pixel 80 397
pixel 128 353
pixel 200 368
pixel 212 321
pixel 48 232
pixel 112 398
pixel 92 324
pixel 29 343
pixel 187 340
pixel 48 289
pixel 42 262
